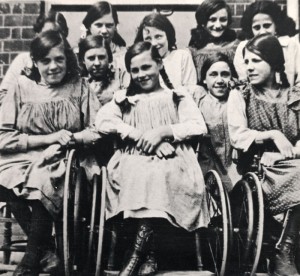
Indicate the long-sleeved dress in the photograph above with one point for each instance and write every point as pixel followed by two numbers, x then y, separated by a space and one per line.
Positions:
pixel 142 185
pixel 36 109
pixel 291 52
pixel 215 151
pixel 251 112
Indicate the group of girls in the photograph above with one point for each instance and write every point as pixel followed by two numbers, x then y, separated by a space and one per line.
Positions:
pixel 155 98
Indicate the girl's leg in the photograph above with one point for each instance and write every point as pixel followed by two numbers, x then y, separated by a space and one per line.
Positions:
pixel 139 250
pixel 285 258
pixel 39 237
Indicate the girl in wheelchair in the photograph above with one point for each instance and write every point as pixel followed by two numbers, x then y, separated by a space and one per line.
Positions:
pixel 39 117
pixel 215 150
pixel 155 173
pixel 267 111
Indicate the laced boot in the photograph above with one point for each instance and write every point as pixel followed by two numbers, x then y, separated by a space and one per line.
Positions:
pixel 133 262
pixel 149 267
pixel 285 259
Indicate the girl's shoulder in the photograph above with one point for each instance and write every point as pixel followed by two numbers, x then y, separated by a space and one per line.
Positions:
pixel 294 97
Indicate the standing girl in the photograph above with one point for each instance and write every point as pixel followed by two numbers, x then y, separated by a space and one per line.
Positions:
pixel 178 63
pixel 268 111
pixel 38 118
pixel 215 150
pixel 212 33
pixel 155 174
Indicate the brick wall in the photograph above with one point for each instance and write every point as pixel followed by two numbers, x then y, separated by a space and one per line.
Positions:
pixel 17 18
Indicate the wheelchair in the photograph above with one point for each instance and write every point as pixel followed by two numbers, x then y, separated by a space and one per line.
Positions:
pixel 212 243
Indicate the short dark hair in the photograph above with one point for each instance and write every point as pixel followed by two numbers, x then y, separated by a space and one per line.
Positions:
pixel 53 17
pixel 282 22
pixel 41 46
pixel 199 35
pixel 160 22
pixel 97 11
pixel 213 58
pixel 91 42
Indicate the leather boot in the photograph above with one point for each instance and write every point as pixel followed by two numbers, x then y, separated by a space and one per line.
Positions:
pixel 133 262
pixel 149 267
pixel 285 258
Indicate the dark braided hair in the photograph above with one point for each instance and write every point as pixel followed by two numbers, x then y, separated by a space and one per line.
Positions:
pixel 137 49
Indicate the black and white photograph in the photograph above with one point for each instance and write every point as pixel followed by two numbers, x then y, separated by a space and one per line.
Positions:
pixel 149 137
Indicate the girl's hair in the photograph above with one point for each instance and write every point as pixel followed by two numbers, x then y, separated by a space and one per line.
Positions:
pixel 213 58
pixel 40 48
pixel 283 24
pixel 137 49
pixel 160 22
pixel 52 17
pixel 92 42
pixel 97 11
pixel 268 48
pixel 199 35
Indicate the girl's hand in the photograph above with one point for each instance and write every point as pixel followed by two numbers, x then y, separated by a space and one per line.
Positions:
pixel 52 152
pixel 165 150
pixel 149 141
pixel 268 159
pixel 283 144
pixel 62 137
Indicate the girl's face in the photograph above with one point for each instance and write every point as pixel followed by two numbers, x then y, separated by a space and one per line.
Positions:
pixel 53 67
pixel 104 26
pixel 217 78
pixel 96 62
pixel 158 39
pixel 259 71
pixel 217 23
pixel 263 23
pixel 145 72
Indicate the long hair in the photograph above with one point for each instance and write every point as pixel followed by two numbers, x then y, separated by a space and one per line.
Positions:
pixel 98 10
pixel 268 48
pixel 160 22
pixel 213 58
pixel 40 48
pixel 54 17
pixel 137 49
pixel 283 24
pixel 199 36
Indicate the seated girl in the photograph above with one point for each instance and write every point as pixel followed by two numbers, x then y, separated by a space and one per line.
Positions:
pixel 267 111
pixel 155 173
pixel 215 150
pixel 38 118
pixel 158 30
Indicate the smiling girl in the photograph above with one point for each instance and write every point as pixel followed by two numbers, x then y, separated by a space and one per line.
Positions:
pixel 212 33
pixel 154 163
pixel 215 149
pixel 266 17
pixel 178 63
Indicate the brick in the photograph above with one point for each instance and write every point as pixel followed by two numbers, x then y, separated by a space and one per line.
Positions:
pixel 28 20
pixel 232 8
pixel 240 9
pixel 4 33
pixel 32 8
pixel 12 56
pixel 16 33
pixel 13 45
pixel 4 8
pixel 26 45
pixel 1 20
pixel 4 58
pixel 5 68
pixel 236 22
pixel 28 33
pixel 17 8
pixel 13 20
